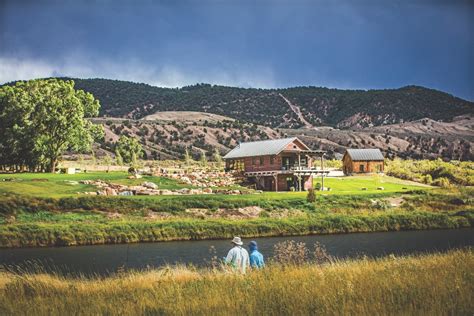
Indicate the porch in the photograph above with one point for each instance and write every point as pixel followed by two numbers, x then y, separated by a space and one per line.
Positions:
pixel 296 179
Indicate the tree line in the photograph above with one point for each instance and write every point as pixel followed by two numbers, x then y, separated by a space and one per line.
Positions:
pixel 321 106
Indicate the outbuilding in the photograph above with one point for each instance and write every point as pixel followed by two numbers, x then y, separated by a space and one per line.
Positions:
pixel 360 161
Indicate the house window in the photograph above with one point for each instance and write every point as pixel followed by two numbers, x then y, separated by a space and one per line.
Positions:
pixel 303 161
pixel 378 168
pixel 261 161
pixel 361 168
pixel 254 161
pixel 272 160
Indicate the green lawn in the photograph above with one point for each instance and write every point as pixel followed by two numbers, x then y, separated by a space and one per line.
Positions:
pixel 356 185
pixel 60 185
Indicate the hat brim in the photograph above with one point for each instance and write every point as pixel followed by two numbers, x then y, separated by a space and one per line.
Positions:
pixel 237 243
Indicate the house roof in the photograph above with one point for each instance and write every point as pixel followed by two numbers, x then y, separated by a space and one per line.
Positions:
pixel 365 154
pixel 261 148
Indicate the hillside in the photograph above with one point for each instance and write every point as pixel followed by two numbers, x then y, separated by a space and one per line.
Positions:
pixel 410 122
pixel 285 108
pixel 168 135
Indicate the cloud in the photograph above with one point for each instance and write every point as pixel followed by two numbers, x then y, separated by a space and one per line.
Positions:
pixel 12 69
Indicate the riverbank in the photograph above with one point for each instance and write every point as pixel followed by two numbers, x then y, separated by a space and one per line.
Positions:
pixel 35 221
pixel 93 233
pixel 431 284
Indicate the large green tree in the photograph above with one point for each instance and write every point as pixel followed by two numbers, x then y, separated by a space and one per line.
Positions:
pixel 43 118
pixel 128 148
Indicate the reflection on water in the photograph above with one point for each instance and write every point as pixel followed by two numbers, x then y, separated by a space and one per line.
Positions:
pixel 105 259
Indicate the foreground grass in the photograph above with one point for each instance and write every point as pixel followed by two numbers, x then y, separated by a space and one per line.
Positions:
pixel 430 285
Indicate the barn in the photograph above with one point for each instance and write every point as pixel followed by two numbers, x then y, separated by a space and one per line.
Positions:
pixel 362 161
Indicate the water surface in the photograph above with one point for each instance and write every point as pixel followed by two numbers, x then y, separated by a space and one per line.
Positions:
pixel 106 259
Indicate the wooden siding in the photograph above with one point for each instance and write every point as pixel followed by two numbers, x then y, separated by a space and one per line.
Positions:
pixel 354 167
pixel 269 164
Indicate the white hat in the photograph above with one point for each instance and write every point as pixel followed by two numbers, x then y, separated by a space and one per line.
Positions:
pixel 237 241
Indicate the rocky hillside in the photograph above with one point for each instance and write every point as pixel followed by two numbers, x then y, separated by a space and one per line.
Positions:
pixel 166 135
pixel 283 108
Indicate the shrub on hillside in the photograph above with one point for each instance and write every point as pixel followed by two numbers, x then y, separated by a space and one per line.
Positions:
pixel 442 182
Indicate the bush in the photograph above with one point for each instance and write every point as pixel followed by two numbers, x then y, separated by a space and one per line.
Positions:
pixel 290 252
pixel 426 179
pixel 457 172
pixel 311 196
pixel 442 182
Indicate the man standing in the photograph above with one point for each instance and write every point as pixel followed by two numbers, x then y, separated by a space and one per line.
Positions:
pixel 256 258
pixel 238 257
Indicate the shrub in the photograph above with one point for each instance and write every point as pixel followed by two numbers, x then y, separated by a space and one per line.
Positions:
pixel 290 252
pixel 311 196
pixel 442 182
pixel 427 179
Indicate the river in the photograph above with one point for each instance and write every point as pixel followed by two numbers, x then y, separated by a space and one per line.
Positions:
pixel 106 259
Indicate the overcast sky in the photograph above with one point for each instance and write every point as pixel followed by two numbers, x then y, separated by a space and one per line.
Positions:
pixel 343 44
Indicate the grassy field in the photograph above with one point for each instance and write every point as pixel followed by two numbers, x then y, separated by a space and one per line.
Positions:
pixel 437 284
pixel 45 210
pixel 59 185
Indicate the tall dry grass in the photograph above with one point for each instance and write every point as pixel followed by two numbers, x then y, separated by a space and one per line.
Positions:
pixel 431 285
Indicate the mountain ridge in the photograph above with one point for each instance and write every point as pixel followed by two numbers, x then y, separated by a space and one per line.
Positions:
pixel 319 106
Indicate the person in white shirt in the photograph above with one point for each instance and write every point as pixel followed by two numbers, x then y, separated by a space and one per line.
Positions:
pixel 238 257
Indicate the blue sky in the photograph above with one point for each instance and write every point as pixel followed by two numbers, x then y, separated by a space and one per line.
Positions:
pixel 343 44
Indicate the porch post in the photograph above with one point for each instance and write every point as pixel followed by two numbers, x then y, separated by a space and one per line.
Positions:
pixel 275 176
pixel 299 181
pixel 322 174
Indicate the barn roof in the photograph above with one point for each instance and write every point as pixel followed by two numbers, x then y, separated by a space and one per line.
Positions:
pixel 365 154
pixel 261 148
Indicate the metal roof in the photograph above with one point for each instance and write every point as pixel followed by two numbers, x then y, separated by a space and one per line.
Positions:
pixel 260 148
pixel 365 154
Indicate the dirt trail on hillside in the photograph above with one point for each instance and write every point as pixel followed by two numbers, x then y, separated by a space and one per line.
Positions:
pixel 296 109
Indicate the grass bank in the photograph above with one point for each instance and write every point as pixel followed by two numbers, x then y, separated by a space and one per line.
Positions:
pixel 438 284
pixel 34 212
pixel 92 232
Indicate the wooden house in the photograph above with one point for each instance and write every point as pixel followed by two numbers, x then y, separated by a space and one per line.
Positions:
pixel 361 161
pixel 277 164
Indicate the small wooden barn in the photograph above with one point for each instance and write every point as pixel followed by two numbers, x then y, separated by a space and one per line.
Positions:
pixel 360 161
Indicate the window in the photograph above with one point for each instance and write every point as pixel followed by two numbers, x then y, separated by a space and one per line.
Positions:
pixel 261 161
pixel 303 161
pixel 272 160
pixel 361 168
pixel 254 161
